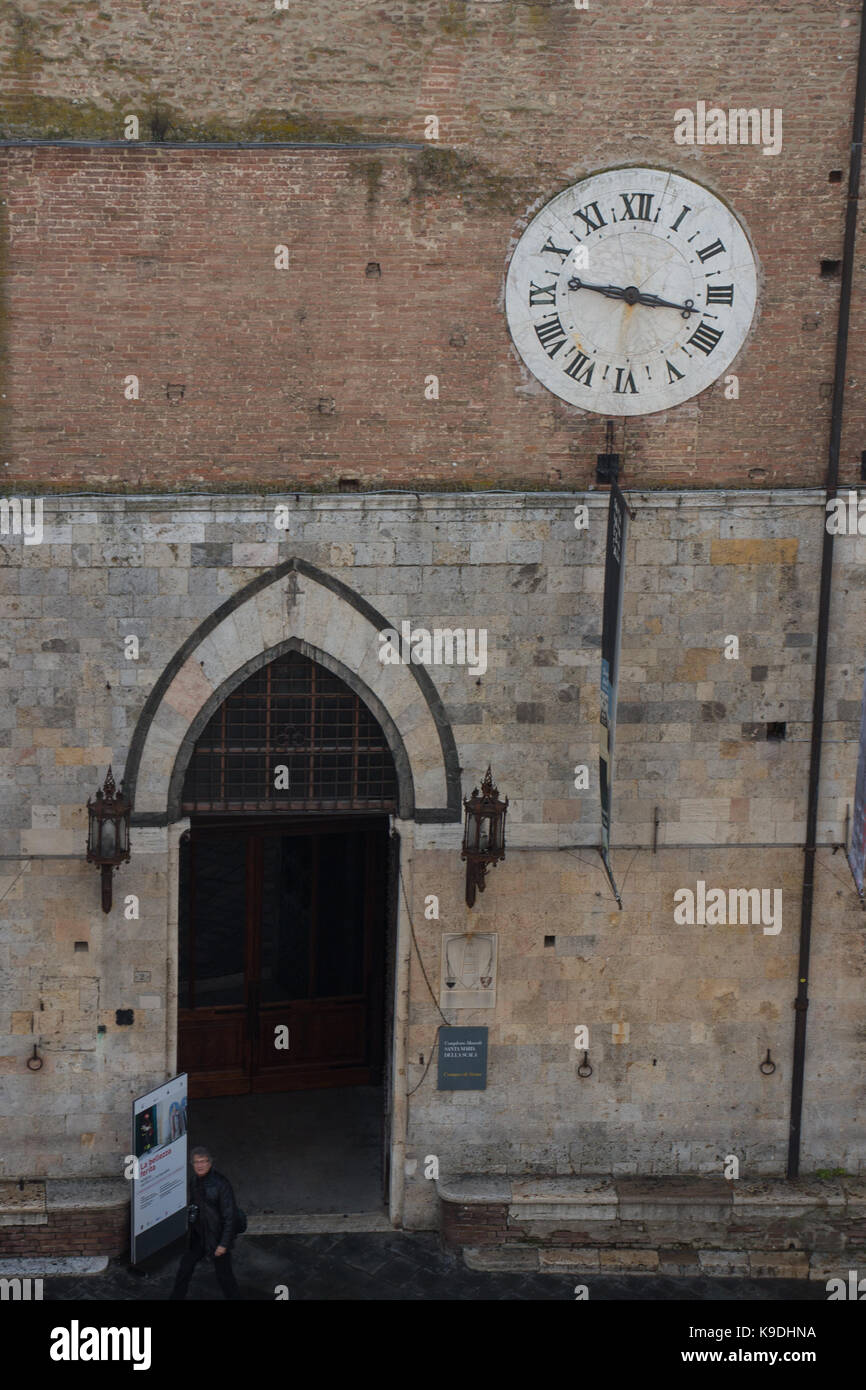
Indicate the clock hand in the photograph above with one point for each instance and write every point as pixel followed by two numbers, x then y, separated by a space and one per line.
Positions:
pixel 653 299
pixel 632 295
pixel 612 291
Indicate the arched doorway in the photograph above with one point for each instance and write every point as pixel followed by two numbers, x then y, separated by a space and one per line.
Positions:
pixel 284 892
pixel 299 608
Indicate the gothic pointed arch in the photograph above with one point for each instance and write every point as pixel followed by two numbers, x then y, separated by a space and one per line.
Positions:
pixel 293 608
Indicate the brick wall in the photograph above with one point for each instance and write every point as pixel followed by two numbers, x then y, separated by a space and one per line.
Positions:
pixel 83 1232
pixel 160 262
pixel 480 1224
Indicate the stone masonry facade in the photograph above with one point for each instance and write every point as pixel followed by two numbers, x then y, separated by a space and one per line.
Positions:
pixel 284 289
pixel 667 1006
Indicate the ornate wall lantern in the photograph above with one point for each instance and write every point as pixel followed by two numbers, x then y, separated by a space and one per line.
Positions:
pixel 108 833
pixel 483 834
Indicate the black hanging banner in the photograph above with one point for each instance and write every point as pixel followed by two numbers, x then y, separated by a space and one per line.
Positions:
pixel 856 849
pixel 614 570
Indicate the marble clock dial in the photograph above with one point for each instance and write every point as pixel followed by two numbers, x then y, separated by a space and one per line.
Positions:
pixel 631 291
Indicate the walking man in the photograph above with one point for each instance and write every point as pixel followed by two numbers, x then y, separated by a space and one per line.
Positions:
pixel 213 1227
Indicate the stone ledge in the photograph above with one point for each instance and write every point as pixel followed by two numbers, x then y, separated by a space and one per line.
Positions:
pixel 778 1264
pixel 830 1264
pixel 679 1225
pixel 628 1261
pixel 472 1190
pixel 724 1264
pixel 772 1193
pixel 569 1261
pixel 707 1264
pixel 519 1212
pixel 78 1193
pixel 509 1259
pixel 682 1191
pixel 207 505
pixel 74 1217
pixel 52 1267
pixel 569 1191
pixel 327 1223
pixel 19 1199
pixel 618 1198
pixel 40 1196
pixel 679 1261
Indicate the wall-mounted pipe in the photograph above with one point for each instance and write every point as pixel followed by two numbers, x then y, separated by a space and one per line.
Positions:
pixel 801 1003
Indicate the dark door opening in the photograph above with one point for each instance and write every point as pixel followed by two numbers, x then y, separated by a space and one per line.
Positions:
pixel 282 941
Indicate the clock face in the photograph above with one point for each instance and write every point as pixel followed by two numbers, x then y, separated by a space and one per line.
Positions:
pixel 631 291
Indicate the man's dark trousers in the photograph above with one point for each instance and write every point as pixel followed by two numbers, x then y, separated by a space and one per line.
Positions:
pixel 222 1268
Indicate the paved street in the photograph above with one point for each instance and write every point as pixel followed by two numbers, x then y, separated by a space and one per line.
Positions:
pixel 396 1266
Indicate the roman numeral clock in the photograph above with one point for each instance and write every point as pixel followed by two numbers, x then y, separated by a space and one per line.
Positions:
pixel 631 291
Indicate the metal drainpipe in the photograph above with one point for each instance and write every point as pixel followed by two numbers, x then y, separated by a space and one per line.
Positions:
pixel 801 1003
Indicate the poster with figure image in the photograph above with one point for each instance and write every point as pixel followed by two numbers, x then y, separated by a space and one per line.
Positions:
pixel 146 1131
pixel 159 1191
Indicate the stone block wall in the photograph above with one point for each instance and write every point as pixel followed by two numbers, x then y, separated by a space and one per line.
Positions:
pixel 679 1020
pixel 679 1016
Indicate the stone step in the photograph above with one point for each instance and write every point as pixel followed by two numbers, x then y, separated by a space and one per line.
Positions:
pixel 674 1262
pixel 315 1223
pixel 52 1266
pixel 768 1221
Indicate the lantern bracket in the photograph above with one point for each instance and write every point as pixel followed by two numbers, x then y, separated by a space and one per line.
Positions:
pixel 483 835
pixel 108 833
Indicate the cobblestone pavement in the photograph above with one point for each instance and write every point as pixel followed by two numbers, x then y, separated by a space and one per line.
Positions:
pixel 398 1266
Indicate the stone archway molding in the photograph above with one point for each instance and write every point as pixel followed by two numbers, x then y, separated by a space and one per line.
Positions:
pixel 293 607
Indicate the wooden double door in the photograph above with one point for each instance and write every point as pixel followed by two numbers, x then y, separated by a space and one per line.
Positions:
pixel 281 963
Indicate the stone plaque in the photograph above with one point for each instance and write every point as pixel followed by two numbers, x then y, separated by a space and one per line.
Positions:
pixel 148 839
pixel 468 978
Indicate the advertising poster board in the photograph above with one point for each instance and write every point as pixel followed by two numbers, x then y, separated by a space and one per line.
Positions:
pixel 159 1191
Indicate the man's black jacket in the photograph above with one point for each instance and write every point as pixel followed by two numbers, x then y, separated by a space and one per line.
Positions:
pixel 215 1200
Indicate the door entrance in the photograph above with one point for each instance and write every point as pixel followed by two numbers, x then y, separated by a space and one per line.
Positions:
pixel 282 941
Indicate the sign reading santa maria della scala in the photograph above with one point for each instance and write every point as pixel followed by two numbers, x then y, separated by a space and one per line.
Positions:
pixel 462 1059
